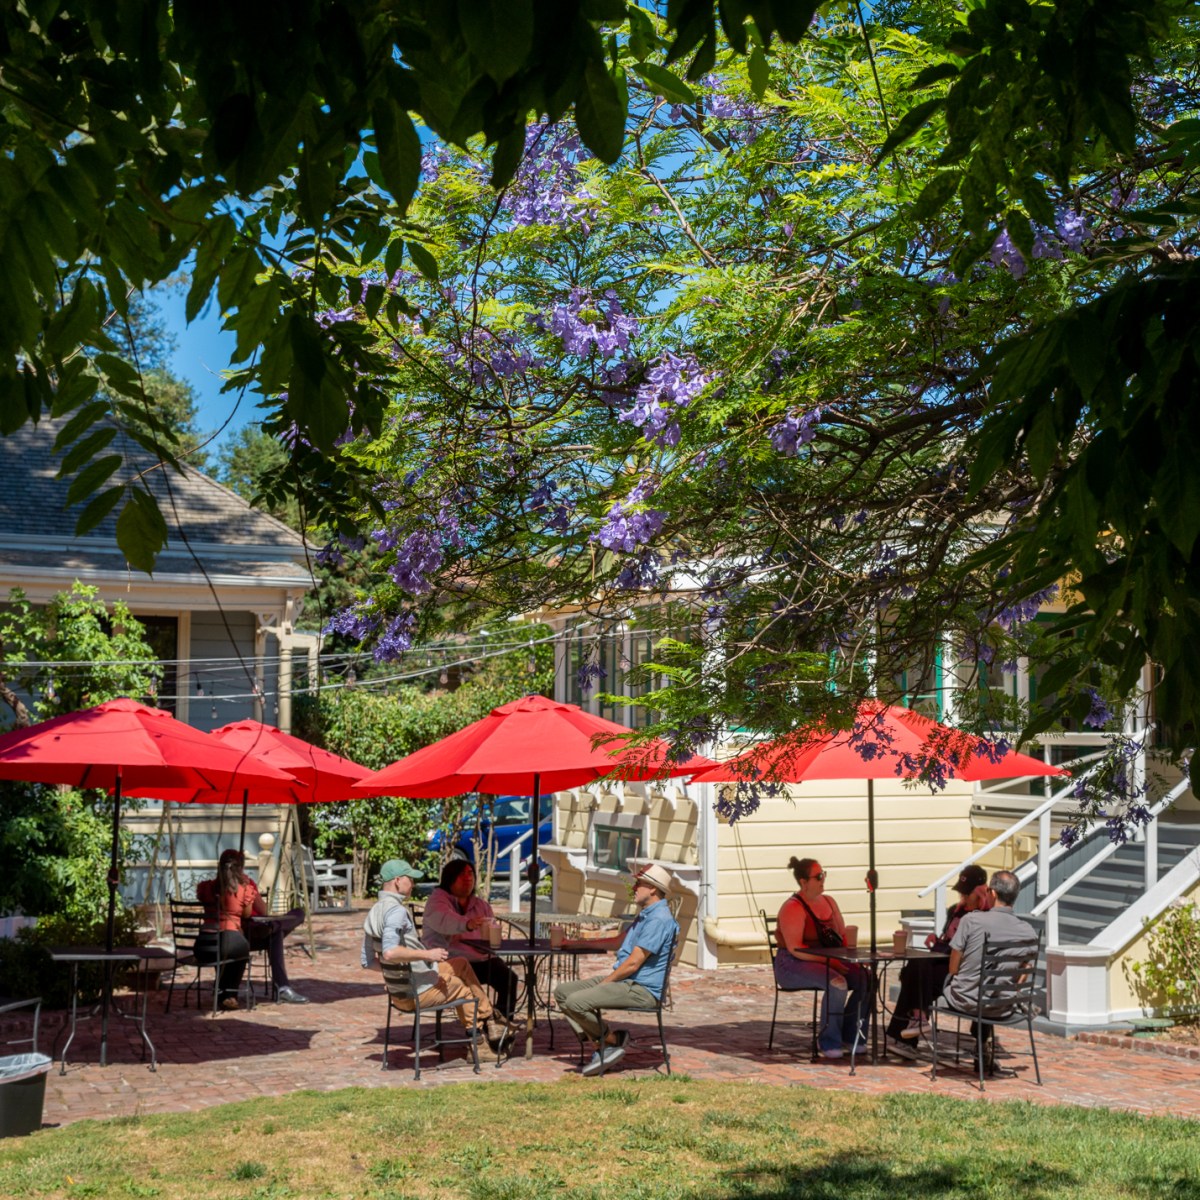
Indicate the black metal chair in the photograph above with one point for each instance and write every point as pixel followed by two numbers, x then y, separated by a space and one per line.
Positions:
pixel 397 982
pixel 1008 983
pixel 8 1005
pixel 664 1000
pixel 187 919
pixel 770 926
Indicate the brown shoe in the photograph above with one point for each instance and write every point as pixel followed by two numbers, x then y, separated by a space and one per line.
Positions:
pixel 230 1004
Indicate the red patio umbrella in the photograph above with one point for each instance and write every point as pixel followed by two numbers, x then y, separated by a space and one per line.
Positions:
pixel 885 742
pixel 317 776
pixel 524 747
pixel 124 744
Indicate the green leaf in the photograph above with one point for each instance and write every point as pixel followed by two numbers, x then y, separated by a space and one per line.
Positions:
pixel 934 74
pixel 92 476
pixel 97 509
pixel 759 71
pixel 1041 442
pixel 909 124
pixel 499 33
pixel 394 257
pixel 599 113
pixel 665 82
pixel 936 194
pixel 85 449
pixel 399 151
pixel 507 157
pixel 424 261
pixel 141 530
pixel 1021 232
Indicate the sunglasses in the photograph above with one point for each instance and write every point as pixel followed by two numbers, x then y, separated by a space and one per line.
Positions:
pixel 819 875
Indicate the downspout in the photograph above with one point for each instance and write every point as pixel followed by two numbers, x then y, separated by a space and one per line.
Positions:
pixel 707 958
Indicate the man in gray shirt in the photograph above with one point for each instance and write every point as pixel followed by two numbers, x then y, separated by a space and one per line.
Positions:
pixel 999 925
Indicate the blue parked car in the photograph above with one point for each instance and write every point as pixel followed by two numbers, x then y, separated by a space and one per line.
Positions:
pixel 513 820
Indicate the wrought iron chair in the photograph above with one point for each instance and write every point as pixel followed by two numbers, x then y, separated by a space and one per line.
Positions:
pixel 664 1000
pixel 770 925
pixel 1008 983
pixel 187 919
pixel 397 982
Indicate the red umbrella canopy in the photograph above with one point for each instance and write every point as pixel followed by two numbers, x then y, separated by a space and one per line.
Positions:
pixel 885 742
pixel 122 739
pixel 531 744
pixel 315 776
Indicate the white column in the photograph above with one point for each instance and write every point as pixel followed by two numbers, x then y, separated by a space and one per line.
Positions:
pixel 707 904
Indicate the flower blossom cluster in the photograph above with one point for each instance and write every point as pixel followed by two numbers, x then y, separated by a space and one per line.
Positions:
pixel 584 324
pixel 546 188
pixel 357 622
pixel 1070 232
pixel 670 385
pixel 626 527
pixel 794 431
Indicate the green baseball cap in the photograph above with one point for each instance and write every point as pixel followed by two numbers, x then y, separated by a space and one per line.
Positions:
pixel 394 868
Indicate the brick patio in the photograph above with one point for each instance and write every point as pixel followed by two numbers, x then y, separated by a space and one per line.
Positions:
pixel 717 1030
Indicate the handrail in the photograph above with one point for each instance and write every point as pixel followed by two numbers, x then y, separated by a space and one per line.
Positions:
pixel 514 869
pixel 1041 810
pixel 1155 810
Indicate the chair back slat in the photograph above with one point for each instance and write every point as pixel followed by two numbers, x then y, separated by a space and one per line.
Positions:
pixel 771 927
pixel 397 977
pixel 1008 977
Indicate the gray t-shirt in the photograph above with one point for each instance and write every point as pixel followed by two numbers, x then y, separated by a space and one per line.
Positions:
pixel 390 924
pixel 999 925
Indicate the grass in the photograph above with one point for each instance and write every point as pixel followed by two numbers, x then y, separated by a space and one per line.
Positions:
pixel 666 1139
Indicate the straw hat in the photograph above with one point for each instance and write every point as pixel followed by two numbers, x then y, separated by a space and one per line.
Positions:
pixel 656 876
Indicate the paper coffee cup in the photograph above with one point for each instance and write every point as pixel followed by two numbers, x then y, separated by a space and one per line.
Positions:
pixel 557 933
pixel 851 937
pixel 494 933
pixel 900 941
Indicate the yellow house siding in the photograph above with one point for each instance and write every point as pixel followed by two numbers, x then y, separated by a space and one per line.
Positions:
pixel 918 836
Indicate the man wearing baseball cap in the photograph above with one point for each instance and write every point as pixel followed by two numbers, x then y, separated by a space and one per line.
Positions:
pixel 638 975
pixel 390 941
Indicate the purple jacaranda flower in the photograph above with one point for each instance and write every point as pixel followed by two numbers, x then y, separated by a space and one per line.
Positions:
pixel 639 572
pixel 396 638
pixel 1015 616
pixel 417 559
pixel 795 430
pixel 585 324
pixel 671 384
pixel 1005 253
pixel 1072 228
pixel 588 675
pixel 1100 713
pixel 627 528
pixel 356 622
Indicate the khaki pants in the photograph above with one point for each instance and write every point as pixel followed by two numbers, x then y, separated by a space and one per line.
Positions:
pixel 581 1001
pixel 456 981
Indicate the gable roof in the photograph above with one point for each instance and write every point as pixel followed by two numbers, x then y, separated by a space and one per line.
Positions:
pixel 231 539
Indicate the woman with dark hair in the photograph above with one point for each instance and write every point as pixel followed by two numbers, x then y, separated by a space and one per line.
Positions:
pixel 453 910
pixel 808 920
pixel 921 979
pixel 229 900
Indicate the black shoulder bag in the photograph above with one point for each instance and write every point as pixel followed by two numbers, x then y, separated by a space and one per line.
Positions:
pixel 826 934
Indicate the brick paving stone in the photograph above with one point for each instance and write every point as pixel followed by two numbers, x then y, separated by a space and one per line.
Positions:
pixel 717 1029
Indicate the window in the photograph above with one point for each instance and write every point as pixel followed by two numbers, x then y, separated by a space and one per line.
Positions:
pixel 162 633
pixel 616 839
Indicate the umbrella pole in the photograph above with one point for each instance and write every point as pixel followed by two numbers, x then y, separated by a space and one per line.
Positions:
pixel 872 874
pixel 113 876
pixel 536 813
pixel 245 806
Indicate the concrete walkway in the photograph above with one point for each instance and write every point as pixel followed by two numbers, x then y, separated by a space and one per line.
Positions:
pixel 717 1030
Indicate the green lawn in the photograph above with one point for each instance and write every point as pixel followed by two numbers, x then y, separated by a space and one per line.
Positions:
pixel 579 1140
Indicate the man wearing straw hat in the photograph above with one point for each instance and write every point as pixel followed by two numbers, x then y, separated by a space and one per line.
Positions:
pixel 637 977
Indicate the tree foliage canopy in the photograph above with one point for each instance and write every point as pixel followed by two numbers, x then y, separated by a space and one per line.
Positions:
pixel 944 282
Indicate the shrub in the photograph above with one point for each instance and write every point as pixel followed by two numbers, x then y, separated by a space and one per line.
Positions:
pixel 1171 974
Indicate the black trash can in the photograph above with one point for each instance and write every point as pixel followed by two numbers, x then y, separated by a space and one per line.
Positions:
pixel 22 1093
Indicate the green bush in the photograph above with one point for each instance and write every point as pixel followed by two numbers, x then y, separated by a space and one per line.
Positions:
pixel 1170 977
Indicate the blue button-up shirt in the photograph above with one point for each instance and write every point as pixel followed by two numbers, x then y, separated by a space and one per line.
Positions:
pixel 655 931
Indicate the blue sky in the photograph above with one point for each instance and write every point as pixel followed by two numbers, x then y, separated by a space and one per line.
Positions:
pixel 203 353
